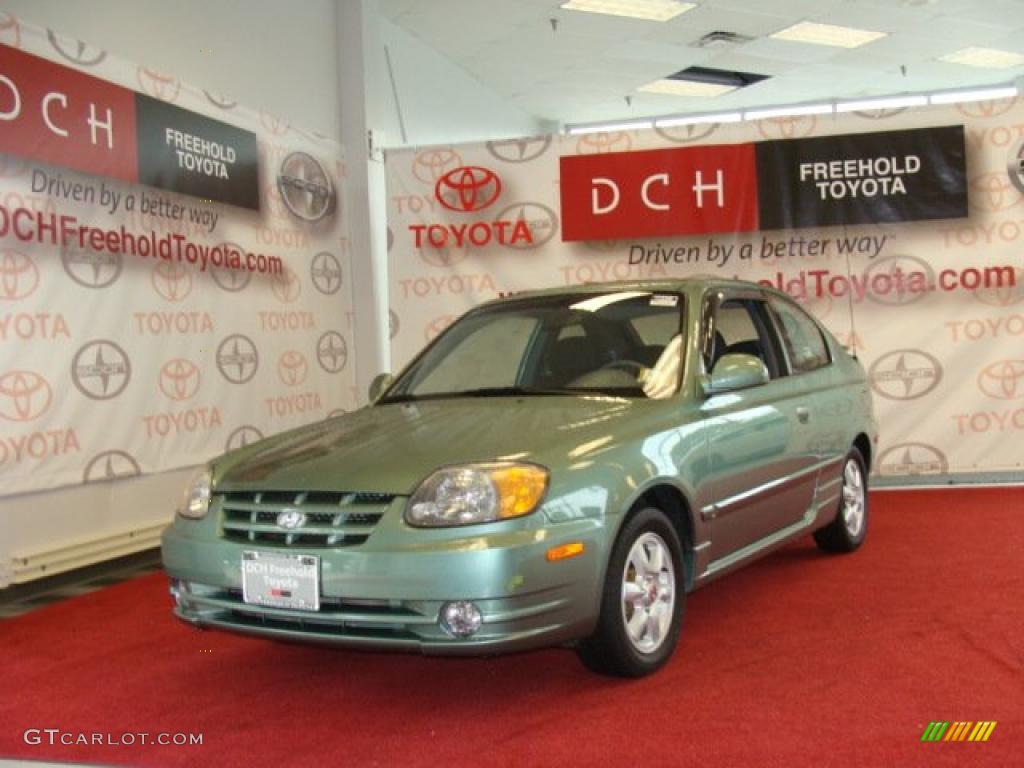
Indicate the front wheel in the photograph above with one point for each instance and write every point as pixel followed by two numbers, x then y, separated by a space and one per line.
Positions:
pixel 847 531
pixel 642 601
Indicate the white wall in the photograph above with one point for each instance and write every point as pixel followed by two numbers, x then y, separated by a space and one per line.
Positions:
pixel 441 103
pixel 269 54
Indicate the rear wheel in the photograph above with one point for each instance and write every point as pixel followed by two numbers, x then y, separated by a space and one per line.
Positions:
pixel 643 600
pixel 847 531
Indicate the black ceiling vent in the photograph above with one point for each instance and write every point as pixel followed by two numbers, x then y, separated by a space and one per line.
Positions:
pixel 717 76
pixel 721 39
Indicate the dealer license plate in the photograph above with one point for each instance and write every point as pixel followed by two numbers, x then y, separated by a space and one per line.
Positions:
pixel 281 580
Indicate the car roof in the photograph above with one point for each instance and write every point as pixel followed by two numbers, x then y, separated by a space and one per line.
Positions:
pixel 677 285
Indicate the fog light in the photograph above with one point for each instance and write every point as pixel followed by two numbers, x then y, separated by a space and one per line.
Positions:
pixel 461 618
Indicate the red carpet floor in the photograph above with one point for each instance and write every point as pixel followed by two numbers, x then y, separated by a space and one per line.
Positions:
pixel 801 659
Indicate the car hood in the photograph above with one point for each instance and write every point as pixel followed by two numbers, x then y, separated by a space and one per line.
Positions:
pixel 392 448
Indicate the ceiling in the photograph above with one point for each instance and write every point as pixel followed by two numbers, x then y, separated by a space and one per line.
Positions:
pixel 585 68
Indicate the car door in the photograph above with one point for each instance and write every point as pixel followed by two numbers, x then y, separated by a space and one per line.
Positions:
pixel 810 363
pixel 762 460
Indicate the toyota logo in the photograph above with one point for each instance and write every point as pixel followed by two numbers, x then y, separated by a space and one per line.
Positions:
pixel 789 127
pixel 305 187
pixel 986 109
pixel 1002 295
pixel 286 285
pixel 332 352
pixel 24 395
pixel 158 85
pixel 237 358
pixel 242 437
pixel 290 518
pixel 541 221
pixel 179 379
pixel 230 280
pixel 602 143
pixel 879 114
pixel 445 256
pixel 431 164
pixel 905 374
pixel 100 370
pixel 467 189
pixel 79 53
pixel 219 100
pixel 437 326
pixel 1003 380
pixel 110 465
pixel 687 134
pixel 325 271
pixel 172 281
pixel 90 269
pixel 899 263
pixel 519 150
pixel 19 276
pixel 292 368
pixel 994 192
pixel 913 459
pixel 276 126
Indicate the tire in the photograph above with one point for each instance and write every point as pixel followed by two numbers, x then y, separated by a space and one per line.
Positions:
pixel 647 552
pixel 847 530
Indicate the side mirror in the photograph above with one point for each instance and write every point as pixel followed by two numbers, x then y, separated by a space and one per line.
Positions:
pixel 379 385
pixel 734 372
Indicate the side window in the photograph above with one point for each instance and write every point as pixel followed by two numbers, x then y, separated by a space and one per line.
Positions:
pixel 803 340
pixel 742 328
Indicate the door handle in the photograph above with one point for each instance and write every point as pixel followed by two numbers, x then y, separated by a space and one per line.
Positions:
pixel 803 414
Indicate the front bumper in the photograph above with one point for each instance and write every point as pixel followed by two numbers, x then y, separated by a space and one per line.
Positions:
pixel 388 593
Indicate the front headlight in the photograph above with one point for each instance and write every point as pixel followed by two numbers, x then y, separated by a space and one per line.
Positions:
pixel 197 496
pixel 477 493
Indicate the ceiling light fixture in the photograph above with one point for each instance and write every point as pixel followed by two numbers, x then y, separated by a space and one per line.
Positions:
pixel 717 117
pixel 986 58
pixel 648 10
pixel 886 102
pixel 668 87
pixel 982 94
pixel 795 110
pixel 632 125
pixel 827 34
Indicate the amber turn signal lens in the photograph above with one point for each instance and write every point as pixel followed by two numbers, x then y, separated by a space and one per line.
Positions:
pixel 520 488
pixel 565 551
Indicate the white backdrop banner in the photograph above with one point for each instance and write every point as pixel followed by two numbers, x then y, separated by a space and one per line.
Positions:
pixel 173 269
pixel 934 309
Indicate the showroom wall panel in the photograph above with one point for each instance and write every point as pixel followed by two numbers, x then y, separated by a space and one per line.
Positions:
pixel 120 365
pixel 942 343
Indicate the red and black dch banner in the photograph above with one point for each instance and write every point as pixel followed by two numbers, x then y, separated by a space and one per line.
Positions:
pixel 60 116
pixel 851 179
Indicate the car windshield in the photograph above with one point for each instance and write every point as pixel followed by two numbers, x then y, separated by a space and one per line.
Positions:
pixel 625 344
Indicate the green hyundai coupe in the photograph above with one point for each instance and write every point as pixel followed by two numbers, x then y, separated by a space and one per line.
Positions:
pixel 557 467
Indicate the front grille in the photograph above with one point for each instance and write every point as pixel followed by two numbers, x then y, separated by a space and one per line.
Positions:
pixel 328 519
